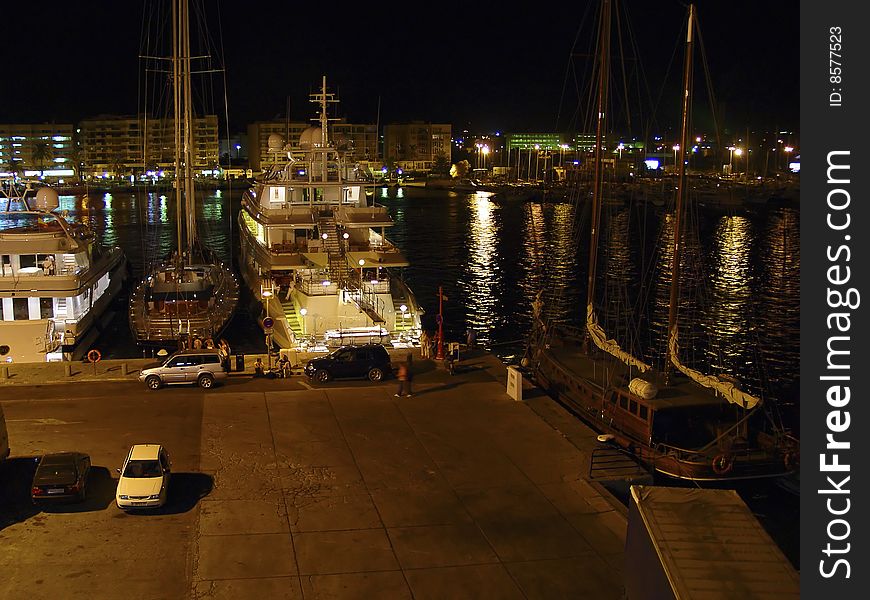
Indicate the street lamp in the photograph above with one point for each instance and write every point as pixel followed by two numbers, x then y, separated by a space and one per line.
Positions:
pixel 404 309
pixel 268 294
pixel 302 312
pixel 537 160
pixel 485 151
pixel 787 150
pixel 676 149
pixel 361 263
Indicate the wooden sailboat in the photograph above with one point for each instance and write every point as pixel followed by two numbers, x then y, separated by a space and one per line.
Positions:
pixel 676 421
pixel 192 294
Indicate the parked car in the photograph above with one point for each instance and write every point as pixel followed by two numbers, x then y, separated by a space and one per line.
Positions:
pixel 369 361
pixel 201 367
pixel 144 481
pixel 62 476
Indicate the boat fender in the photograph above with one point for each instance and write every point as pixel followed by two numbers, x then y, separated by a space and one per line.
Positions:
pixel 791 460
pixel 722 463
pixel 643 388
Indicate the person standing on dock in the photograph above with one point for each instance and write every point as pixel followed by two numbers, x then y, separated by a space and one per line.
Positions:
pixel 424 344
pixel 470 338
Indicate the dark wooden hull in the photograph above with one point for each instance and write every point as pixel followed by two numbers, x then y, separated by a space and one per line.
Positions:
pixel 591 387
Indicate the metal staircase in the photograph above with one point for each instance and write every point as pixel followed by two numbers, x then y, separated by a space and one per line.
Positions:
pixel 337 266
pixel 403 323
pixel 292 318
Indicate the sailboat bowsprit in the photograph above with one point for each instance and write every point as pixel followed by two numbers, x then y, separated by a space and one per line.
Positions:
pixel 676 420
pixel 192 294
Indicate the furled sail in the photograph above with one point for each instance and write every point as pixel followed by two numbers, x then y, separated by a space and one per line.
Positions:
pixel 726 388
pixel 610 346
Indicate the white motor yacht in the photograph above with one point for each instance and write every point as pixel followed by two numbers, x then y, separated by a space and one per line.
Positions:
pixel 56 280
pixel 314 250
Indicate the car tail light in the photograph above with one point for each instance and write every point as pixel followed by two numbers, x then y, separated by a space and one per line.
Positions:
pixel 36 491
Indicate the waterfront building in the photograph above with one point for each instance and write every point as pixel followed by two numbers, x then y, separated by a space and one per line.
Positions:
pixel 121 146
pixel 38 150
pixel 359 141
pixel 414 147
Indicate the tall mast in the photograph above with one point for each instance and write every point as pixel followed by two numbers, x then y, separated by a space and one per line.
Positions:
pixel 189 195
pixel 681 185
pixel 603 76
pixel 176 121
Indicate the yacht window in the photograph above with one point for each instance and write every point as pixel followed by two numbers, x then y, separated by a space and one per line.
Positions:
pixel 6 265
pixel 46 309
pixel 623 402
pixel 26 260
pixel 20 310
pixel 633 406
pixel 644 412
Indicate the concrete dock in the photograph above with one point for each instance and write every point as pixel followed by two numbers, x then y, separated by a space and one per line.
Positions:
pixel 287 489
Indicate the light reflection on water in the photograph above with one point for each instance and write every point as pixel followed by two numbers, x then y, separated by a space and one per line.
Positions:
pixel 481 280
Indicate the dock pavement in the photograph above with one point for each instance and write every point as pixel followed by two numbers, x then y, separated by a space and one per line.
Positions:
pixel 339 490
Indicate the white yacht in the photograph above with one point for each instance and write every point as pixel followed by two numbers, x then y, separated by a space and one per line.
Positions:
pixel 315 252
pixel 56 280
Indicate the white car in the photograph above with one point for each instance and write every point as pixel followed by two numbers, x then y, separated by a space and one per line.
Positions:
pixel 144 481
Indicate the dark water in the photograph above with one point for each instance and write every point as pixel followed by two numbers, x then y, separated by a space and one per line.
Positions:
pixel 491 258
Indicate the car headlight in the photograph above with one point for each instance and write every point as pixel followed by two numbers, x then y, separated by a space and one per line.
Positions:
pixel 154 497
pixel 124 497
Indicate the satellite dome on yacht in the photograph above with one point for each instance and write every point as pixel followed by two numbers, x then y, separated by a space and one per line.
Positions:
pixel 46 199
pixel 312 137
pixel 276 142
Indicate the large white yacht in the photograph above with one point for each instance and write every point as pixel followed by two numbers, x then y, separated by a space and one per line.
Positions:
pixel 56 279
pixel 314 250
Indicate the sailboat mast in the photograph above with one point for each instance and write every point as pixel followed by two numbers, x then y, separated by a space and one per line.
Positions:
pixel 681 185
pixel 176 121
pixel 189 195
pixel 604 55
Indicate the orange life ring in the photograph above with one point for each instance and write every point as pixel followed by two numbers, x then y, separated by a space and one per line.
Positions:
pixel 791 460
pixel 94 355
pixel 722 463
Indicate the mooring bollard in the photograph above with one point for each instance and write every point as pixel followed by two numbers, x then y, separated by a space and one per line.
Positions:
pixel 67 369
pixel 4 372
pixel 124 368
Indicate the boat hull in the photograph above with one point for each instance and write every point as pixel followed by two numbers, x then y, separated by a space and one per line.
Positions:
pixel 593 387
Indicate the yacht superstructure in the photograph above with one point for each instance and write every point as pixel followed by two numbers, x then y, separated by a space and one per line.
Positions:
pixel 56 279
pixel 314 250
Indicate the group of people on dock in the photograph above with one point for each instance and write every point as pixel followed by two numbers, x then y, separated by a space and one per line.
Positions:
pixel 282 368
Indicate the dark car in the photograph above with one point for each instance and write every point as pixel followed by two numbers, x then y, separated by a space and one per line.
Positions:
pixel 369 361
pixel 61 477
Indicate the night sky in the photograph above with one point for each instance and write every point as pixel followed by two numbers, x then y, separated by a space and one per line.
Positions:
pixel 475 65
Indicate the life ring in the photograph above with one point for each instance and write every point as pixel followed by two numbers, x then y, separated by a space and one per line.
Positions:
pixel 791 460
pixel 94 356
pixel 722 463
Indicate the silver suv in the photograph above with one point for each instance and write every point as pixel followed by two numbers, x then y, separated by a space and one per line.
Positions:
pixel 202 367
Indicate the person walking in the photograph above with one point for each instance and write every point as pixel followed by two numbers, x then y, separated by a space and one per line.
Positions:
pixel 405 375
pixel 258 368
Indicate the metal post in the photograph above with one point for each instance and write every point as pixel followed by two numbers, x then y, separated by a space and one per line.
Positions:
pixel 440 354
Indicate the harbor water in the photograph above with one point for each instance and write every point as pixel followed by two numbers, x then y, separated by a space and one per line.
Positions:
pixel 492 257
